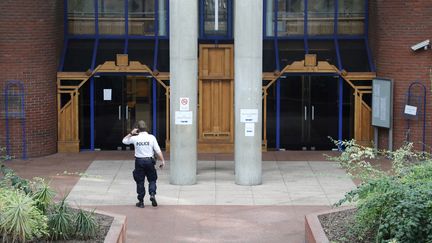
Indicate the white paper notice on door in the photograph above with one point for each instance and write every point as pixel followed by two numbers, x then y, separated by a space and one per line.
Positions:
pixel 249 129
pixel 107 94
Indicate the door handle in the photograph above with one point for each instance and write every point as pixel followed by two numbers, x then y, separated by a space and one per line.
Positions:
pixel 127 112
pixel 305 113
pixel 313 113
pixel 119 112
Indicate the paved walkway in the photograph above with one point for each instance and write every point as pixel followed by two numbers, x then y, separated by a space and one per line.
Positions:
pixel 108 182
pixel 295 183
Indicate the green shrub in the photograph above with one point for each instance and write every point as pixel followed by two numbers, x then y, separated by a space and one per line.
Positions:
pixel 394 205
pixel 60 221
pixel 20 219
pixel 85 224
pixel 11 180
pixel 42 194
pixel 28 212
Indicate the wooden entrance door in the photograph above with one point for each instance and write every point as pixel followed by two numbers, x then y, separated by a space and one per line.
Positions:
pixel 216 98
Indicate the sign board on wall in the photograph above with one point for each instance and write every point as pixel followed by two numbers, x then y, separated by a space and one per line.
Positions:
pixel 248 115
pixel 184 103
pixel 381 102
pixel 183 117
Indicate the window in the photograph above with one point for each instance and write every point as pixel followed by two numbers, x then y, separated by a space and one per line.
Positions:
pixel 141 17
pixel 321 17
pixel 354 55
pixel 351 17
pixel 290 17
pixel 78 56
pixel 81 17
pixel 215 17
pixel 111 17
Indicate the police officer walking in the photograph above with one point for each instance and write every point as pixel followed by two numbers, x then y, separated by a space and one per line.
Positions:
pixel 145 148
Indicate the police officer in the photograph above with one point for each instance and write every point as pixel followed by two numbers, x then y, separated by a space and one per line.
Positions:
pixel 145 147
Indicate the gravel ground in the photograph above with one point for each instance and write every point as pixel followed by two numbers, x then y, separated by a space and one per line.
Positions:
pixel 336 226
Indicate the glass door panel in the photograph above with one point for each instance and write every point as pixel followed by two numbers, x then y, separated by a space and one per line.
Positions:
pixel 109 112
pixel 323 111
pixel 138 106
pixel 291 113
pixel 309 112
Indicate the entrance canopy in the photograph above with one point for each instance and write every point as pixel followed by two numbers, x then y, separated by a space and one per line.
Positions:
pixel 310 66
pixel 69 83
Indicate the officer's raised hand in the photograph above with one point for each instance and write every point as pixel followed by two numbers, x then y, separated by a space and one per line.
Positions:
pixel 134 132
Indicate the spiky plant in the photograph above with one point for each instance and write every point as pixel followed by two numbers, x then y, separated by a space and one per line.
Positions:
pixel 86 226
pixel 60 221
pixel 42 194
pixel 20 219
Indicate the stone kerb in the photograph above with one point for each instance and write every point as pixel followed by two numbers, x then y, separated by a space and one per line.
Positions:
pixel 117 231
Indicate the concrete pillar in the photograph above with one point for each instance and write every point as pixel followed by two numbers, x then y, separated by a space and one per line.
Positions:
pixel 184 82
pixel 248 41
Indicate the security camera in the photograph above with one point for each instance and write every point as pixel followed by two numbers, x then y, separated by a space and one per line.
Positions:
pixel 424 44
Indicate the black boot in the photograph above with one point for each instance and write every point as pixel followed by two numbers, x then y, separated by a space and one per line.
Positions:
pixel 153 200
pixel 140 204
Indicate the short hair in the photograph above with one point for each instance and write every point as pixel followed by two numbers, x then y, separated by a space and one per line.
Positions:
pixel 142 126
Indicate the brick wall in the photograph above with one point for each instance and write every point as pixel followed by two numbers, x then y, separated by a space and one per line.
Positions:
pixel 31 41
pixel 395 26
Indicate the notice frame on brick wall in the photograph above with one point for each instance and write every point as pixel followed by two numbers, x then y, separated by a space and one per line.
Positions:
pixel 382 102
pixel 382 108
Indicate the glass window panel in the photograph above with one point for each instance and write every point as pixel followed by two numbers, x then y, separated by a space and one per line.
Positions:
pixel 163 56
pixel 79 54
pixel 351 17
pixel 354 55
pixel 142 51
pixel 81 17
pixel 290 17
pixel 321 17
pixel 163 17
pixel 271 116
pixel 111 17
pixel 161 104
pixel 269 64
pixel 269 18
pixel 216 17
pixel 348 112
pixel 141 17
pixel 108 49
pixel 290 51
pixel 84 116
pixel 325 50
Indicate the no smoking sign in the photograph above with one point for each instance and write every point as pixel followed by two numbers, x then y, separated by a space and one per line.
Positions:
pixel 184 103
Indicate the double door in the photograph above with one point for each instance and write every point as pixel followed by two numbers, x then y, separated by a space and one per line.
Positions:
pixel 120 102
pixel 309 112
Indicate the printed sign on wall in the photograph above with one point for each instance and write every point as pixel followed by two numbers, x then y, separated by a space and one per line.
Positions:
pixel 184 103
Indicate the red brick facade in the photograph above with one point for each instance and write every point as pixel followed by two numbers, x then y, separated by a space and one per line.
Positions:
pixel 31 39
pixel 394 27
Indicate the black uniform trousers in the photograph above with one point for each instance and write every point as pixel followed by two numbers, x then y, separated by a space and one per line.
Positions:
pixel 145 167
